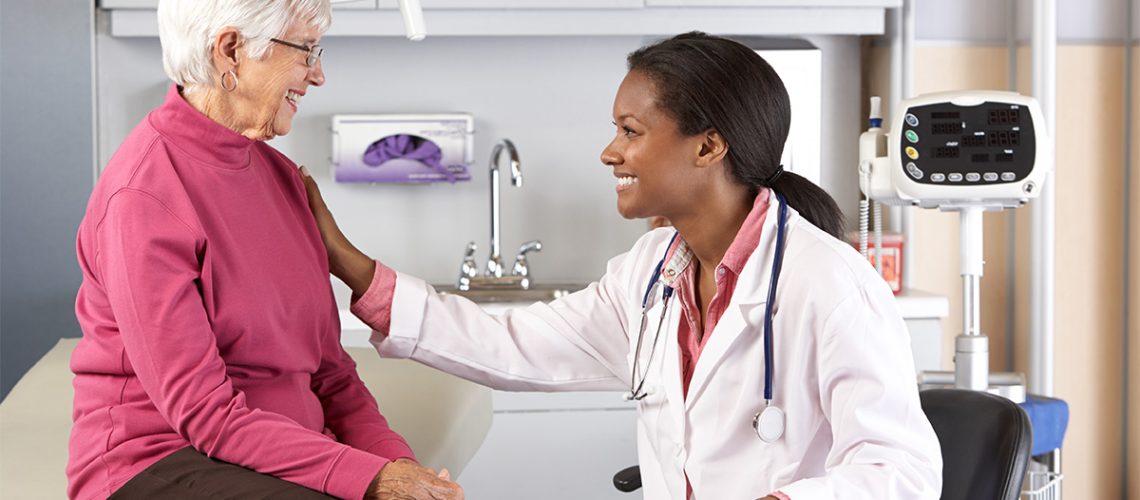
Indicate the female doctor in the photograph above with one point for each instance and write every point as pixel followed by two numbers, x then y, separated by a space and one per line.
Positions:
pixel 766 358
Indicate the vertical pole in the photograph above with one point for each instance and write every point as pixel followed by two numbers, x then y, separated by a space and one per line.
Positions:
pixel 1011 215
pixel 907 90
pixel 1042 210
pixel 1130 13
pixel 971 348
pixel 894 29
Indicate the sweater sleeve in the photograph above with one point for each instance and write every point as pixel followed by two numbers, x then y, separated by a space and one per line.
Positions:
pixel 148 261
pixel 374 308
pixel 350 409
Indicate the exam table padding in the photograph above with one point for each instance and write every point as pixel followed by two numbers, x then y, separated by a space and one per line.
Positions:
pixel 444 418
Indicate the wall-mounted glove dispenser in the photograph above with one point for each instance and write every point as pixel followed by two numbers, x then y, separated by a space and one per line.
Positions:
pixel 403 148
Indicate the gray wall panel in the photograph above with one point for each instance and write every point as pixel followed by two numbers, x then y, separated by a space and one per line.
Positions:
pixel 46 160
pixel 986 21
pixel 974 20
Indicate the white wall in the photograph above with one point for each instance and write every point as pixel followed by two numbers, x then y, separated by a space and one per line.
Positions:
pixel 551 95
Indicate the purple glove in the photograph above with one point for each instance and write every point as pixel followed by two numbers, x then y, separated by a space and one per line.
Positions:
pixel 408 147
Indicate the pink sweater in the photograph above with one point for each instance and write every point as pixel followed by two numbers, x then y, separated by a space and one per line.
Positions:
pixel 209 321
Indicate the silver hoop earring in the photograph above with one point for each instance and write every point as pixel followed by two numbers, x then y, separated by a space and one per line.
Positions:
pixel 232 75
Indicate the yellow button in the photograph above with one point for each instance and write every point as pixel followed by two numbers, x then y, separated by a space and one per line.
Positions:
pixel 912 153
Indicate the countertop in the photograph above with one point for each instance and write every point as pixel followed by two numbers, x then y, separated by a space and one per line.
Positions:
pixel 915 304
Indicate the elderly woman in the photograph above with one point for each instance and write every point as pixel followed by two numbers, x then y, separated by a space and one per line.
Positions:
pixel 210 364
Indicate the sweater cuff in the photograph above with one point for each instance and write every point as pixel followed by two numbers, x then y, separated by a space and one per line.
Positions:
pixel 392 449
pixel 374 308
pixel 350 476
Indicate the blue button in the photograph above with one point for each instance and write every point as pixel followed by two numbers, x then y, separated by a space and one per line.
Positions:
pixel 911 120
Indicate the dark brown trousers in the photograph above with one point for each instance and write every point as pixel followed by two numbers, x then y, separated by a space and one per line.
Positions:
pixel 188 474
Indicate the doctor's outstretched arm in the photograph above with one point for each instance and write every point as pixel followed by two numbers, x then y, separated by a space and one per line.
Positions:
pixel 578 342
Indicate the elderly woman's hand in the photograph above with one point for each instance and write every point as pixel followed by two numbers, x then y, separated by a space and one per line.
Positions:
pixel 404 479
pixel 346 262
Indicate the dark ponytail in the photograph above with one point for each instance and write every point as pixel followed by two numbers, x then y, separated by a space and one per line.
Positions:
pixel 708 82
pixel 812 202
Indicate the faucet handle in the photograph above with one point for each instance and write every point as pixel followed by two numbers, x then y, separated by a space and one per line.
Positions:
pixel 468 269
pixel 521 268
pixel 530 246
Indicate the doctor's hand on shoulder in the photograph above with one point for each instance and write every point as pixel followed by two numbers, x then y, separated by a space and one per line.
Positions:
pixel 404 479
pixel 346 262
pixel 401 479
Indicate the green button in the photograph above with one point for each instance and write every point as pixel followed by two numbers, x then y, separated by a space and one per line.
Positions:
pixel 911 136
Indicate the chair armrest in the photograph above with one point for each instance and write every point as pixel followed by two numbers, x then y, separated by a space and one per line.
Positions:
pixel 628 479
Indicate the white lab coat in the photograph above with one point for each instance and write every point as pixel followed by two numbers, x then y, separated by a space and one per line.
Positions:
pixel 843 371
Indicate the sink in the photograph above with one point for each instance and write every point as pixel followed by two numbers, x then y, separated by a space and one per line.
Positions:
pixel 536 293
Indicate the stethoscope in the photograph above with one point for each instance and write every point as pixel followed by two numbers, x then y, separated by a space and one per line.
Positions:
pixel 769 421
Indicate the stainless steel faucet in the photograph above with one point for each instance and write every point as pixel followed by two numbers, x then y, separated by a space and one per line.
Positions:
pixel 521 267
pixel 495 262
pixel 492 277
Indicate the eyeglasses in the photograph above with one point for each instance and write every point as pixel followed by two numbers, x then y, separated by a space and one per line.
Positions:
pixel 314 52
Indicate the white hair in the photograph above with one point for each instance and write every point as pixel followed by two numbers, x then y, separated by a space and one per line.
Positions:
pixel 187 28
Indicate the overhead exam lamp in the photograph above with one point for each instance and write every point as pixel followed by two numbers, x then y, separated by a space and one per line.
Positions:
pixel 413 13
pixel 968 152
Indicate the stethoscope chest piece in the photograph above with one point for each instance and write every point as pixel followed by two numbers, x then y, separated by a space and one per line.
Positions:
pixel 769 424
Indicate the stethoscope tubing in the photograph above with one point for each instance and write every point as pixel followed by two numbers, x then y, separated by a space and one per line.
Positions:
pixel 769 361
pixel 777 265
pixel 635 393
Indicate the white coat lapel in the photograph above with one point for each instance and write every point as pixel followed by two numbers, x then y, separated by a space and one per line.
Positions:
pixel 671 368
pixel 751 292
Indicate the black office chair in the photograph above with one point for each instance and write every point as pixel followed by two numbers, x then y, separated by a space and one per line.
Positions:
pixel 628 479
pixel 985 441
pixel 985 445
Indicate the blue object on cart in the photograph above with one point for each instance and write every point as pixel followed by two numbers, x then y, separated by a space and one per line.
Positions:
pixel 1050 418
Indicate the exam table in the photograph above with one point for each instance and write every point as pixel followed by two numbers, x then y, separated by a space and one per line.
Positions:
pixel 444 418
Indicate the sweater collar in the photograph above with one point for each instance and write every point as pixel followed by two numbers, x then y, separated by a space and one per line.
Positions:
pixel 198 135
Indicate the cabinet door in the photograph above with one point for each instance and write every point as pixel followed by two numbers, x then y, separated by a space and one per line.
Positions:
pixel 128 4
pixel 774 3
pixel 153 4
pixel 505 401
pixel 521 4
pixel 560 455
pixel 354 4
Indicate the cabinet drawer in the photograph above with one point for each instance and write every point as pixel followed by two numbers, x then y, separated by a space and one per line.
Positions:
pixel 553 456
pixel 503 401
